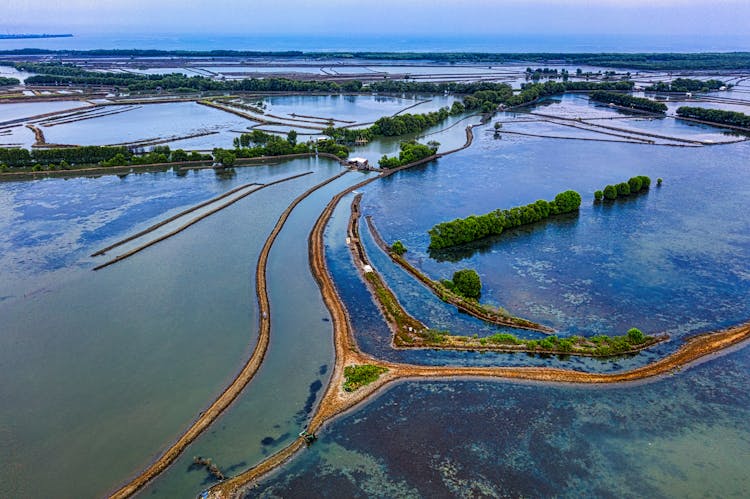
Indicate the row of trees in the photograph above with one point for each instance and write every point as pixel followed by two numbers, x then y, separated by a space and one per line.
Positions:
pixel 629 101
pixel 8 81
pixel 410 152
pixel 108 156
pixel 474 227
pixel 257 143
pixel 687 85
pixel 715 115
pixel 633 186
pixel 651 60
pixel 533 91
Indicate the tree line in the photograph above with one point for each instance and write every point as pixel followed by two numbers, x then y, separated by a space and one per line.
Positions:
pixel 629 101
pixel 715 116
pixel 474 227
pixel 687 85
pixel 652 60
pixel 8 81
pixel 641 183
pixel 75 157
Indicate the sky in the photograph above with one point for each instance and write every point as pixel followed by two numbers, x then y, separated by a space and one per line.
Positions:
pixel 379 17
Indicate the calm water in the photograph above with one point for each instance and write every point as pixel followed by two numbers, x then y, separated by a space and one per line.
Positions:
pixel 395 43
pixel 106 368
pixel 680 436
pixel 109 367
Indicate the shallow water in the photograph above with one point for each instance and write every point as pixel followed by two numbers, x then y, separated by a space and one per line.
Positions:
pixel 680 436
pixel 108 367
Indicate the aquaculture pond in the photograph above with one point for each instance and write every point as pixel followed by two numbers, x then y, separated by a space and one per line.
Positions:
pixel 684 435
pixel 109 367
pixel 670 260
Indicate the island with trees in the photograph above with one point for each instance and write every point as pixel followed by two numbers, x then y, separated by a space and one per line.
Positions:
pixel 634 185
pixel 474 227
pixel 717 116
pixel 628 101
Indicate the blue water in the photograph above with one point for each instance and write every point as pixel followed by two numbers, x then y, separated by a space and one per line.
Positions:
pixel 681 436
pixel 395 43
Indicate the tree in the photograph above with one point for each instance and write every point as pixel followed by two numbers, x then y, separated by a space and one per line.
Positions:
pixel 610 192
pixel 466 282
pixel 658 182
pixel 291 137
pixel 567 201
pixel 635 336
pixel 598 195
pixel 635 184
pixel 623 189
pixel 398 248
pixel 645 181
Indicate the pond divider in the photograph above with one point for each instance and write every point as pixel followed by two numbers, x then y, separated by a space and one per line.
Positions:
pixel 188 224
pixel 247 372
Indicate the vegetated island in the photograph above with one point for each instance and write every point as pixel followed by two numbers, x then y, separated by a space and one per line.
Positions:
pixel 634 185
pixel 474 227
pixel 628 101
pixel 448 292
pixel 684 85
pixel 715 116
pixel 409 332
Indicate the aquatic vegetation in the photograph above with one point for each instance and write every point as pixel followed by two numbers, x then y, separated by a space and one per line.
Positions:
pixel 466 282
pixel 398 248
pixel 361 375
pixel 687 85
pixel 474 227
pixel 634 185
pixel 715 116
pixel 629 101
pixel 410 152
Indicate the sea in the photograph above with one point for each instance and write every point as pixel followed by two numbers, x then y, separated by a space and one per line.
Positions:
pixel 506 43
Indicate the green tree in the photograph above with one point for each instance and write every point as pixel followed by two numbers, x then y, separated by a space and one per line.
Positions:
pixel 467 283
pixel 291 137
pixel 598 195
pixel 398 248
pixel 623 189
pixel 635 184
pixel 635 336
pixel 610 192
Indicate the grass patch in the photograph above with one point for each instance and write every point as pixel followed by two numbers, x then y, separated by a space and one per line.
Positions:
pixel 359 376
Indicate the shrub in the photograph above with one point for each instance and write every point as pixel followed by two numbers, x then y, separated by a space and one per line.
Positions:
pixel 635 336
pixel 645 181
pixel 658 182
pixel 466 282
pixel 358 376
pixel 623 189
pixel 598 195
pixel 398 248
pixel 635 184
pixel 567 201
pixel 610 192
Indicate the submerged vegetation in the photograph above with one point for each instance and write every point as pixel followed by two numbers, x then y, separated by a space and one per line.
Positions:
pixel 732 118
pixel 361 375
pixel 629 101
pixel 474 227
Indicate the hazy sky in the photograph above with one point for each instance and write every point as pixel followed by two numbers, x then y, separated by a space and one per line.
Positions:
pixel 420 17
